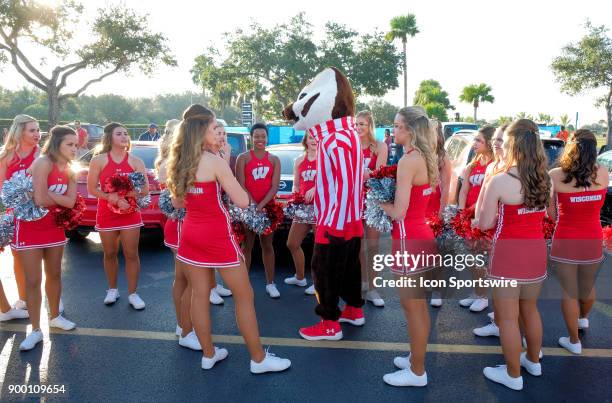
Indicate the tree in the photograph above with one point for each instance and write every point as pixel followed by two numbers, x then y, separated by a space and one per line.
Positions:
pixel 269 67
pixel 586 65
pixel 564 120
pixel 401 27
pixel 475 94
pixel 524 115
pixel 31 32
pixel 435 100
pixel 544 118
pixel 504 120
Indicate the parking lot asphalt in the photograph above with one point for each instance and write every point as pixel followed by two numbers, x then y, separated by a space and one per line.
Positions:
pixel 118 354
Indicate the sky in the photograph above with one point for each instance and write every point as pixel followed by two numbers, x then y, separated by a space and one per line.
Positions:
pixel 508 45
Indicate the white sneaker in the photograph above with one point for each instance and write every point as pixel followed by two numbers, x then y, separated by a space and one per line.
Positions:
pixel 402 362
pixel 61 323
pixel 61 306
pixel 136 302
pixel 14 313
pixel 31 340
pixel 540 355
pixel 222 291
pixel 479 305
pixel 489 330
pixel 491 315
pixel 405 377
pixel 574 348
pixel 272 290
pixel 294 281
pixel 215 298
pixel 191 341
pixel 466 302
pixel 112 295
pixel 583 323
pixel 220 354
pixel 534 368
pixel 20 304
pixel 178 331
pixel 374 297
pixel 499 374
pixel 436 299
pixel 310 290
pixel 271 363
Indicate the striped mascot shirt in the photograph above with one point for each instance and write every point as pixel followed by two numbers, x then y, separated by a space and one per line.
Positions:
pixel 339 186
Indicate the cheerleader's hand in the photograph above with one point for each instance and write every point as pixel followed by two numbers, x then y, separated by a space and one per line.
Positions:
pixel 113 198
pixel 260 207
pixel 309 196
pixel 123 204
pixel 474 223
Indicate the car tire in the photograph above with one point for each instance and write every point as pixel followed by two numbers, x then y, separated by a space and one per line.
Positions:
pixel 77 234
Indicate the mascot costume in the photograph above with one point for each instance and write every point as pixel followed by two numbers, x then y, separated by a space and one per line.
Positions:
pixel 325 108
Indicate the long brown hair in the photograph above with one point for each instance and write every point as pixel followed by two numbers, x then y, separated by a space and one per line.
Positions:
pixel 579 159
pixel 526 152
pixel 367 115
pixel 13 137
pixel 416 119
pixel 487 132
pixel 52 146
pixel 165 142
pixel 186 149
pixel 107 137
pixel 439 143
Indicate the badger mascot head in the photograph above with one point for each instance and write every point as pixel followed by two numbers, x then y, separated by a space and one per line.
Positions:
pixel 328 96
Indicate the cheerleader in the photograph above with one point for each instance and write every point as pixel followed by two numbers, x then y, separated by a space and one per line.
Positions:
pixel 516 199
pixel 17 154
pixel 43 239
pixel 439 198
pixel 258 172
pixel 304 175
pixel 114 219
pixel 470 189
pixel 374 156
pixel 195 179
pixel 417 172
pixel 579 191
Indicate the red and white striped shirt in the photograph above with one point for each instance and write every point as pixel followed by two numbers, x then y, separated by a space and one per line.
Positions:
pixel 339 187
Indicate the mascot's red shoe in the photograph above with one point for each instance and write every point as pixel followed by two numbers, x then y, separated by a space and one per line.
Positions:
pixel 324 330
pixel 352 315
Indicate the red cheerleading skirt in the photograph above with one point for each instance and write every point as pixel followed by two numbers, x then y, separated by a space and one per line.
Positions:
pixel 417 246
pixel 43 233
pixel 106 220
pixel 172 230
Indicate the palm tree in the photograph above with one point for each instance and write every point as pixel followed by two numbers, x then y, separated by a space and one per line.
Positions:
pixel 401 27
pixel 475 94
pixel 544 118
pixel 564 120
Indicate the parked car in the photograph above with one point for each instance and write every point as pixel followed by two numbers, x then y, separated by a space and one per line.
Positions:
pixel 606 211
pixel 152 217
pixel 287 153
pixel 450 128
pixel 459 150
pixel 238 142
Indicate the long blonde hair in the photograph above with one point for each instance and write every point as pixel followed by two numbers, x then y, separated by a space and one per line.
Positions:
pixel 416 119
pixel 107 138
pixel 186 149
pixel 13 137
pixel 165 142
pixel 367 115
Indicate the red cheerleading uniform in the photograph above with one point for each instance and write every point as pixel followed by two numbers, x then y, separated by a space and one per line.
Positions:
pixel 307 173
pixel 258 176
pixel 519 250
pixel 433 207
pixel 476 178
pixel 172 229
pixel 43 233
pixel 578 235
pixel 107 220
pixel 369 158
pixel 412 235
pixel 17 164
pixel 206 236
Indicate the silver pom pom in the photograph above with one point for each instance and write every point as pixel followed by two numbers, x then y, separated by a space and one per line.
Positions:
pixel 144 202
pixel 256 221
pixel 17 194
pixel 376 217
pixel 138 180
pixel 166 207
pixel 7 229
pixel 301 213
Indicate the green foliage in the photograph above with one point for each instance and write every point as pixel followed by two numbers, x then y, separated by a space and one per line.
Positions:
pixel 435 100
pixel 503 120
pixel 564 120
pixel 587 65
pixel 524 115
pixel 382 111
pixel 475 94
pixel 270 66
pixel 402 26
pixel 544 118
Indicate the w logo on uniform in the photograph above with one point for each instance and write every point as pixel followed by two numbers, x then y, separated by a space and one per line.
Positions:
pixel 59 189
pixel 309 175
pixel 260 172
pixel 476 180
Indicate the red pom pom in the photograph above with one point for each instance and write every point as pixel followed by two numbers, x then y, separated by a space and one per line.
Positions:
pixel 118 183
pixel 436 224
pixel 239 231
pixel 607 237
pixel 548 227
pixel 68 218
pixel 384 172
pixel 297 198
pixel 276 215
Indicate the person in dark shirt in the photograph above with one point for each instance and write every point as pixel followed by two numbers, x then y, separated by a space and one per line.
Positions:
pixel 151 134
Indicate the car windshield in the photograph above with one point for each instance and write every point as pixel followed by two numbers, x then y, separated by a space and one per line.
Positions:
pixel 146 154
pixel 286 159
pixel 452 128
